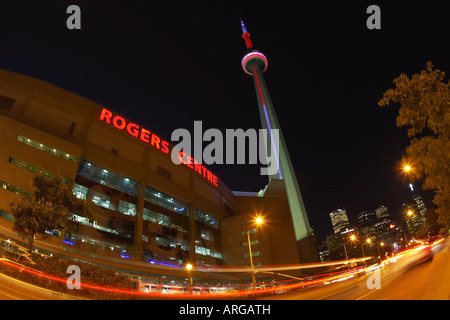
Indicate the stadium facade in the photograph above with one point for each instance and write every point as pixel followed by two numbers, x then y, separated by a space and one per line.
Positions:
pixel 148 211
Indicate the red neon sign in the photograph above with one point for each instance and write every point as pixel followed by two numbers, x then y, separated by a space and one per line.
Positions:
pixel 197 167
pixel 146 136
pixel 134 130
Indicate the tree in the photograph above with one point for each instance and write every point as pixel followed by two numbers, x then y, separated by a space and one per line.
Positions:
pixel 425 109
pixel 52 206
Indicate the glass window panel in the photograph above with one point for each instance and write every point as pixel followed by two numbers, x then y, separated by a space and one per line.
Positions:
pixel 108 178
pixel 165 201
pixel 206 218
pixel 127 208
pixel 48 149
pixel 13 188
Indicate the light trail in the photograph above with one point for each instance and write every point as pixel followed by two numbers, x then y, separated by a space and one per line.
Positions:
pixel 275 286
pixel 283 267
pixel 235 293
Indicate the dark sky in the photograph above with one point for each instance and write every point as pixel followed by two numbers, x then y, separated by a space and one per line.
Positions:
pixel 165 64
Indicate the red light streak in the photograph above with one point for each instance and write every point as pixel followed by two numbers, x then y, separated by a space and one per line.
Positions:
pixel 332 276
pixel 317 279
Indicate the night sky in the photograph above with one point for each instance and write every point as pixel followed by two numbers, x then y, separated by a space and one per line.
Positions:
pixel 166 64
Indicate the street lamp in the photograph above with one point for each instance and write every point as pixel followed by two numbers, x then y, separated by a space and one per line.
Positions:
pixel 345 249
pixel 369 241
pixel 408 171
pixel 406 168
pixel 189 269
pixel 258 221
pixel 353 238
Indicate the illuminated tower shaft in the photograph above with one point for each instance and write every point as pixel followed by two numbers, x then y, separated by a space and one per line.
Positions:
pixel 255 63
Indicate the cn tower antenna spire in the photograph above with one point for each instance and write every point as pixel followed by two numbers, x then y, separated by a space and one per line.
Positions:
pixel 246 36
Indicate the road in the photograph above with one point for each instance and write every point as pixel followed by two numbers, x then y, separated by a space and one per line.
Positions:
pixel 399 280
pixel 402 280
pixel 12 289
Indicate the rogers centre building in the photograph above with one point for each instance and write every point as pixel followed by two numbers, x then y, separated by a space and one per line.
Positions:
pixel 149 211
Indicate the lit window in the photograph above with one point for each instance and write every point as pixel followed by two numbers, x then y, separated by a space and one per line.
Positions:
pixel 48 149
pixel 206 218
pixel 165 201
pixel 127 208
pixel 108 178
pixel 29 167
pixel 13 188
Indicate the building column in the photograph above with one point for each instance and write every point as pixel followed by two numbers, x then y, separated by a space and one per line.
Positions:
pixel 191 233
pixel 139 223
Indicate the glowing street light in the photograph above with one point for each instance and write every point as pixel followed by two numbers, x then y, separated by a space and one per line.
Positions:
pixel 189 269
pixel 380 244
pixel 353 238
pixel 258 221
pixel 407 167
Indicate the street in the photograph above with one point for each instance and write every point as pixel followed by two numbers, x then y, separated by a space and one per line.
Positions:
pixel 425 280
pixel 407 277
pixel 12 289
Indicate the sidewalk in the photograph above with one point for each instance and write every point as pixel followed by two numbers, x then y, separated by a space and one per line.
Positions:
pixel 444 288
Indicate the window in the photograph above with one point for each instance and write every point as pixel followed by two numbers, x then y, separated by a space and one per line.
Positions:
pixel 6 215
pixel 252 242
pixel 80 191
pixel 127 208
pixel 165 201
pixel 93 224
pixel 156 217
pixel 206 218
pixel 108 178
pixel 251 231
pixel 47 149
pixel 13 188
pixel 254 254
pixel 31 168
pixel 101 200
pixel 205 234
pixel 208 252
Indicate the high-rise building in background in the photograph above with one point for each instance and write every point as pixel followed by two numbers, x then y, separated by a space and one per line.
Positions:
pixel 382 213
pixel 414 212
pixel 339 220
pixel 383 219
pixel 366 222
pixel 420 204
pixel 413 219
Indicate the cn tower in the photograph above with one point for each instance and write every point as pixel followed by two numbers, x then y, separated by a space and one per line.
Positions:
pixel 255 63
